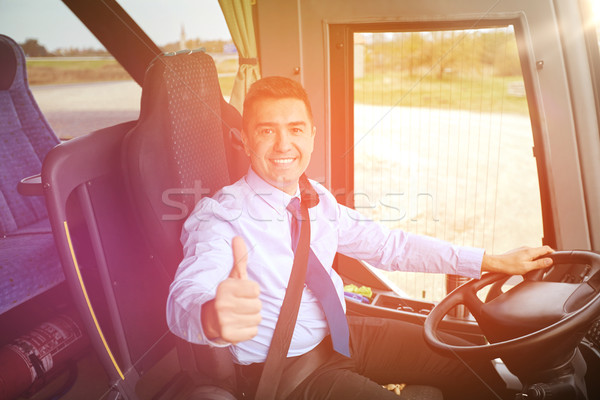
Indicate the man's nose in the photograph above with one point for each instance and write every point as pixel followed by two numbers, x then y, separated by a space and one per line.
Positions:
pixel 282 141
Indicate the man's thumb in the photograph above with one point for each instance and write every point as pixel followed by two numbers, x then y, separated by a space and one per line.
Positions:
pixel 240 258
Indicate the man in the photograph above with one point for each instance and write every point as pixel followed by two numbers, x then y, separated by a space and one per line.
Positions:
pixel 238 256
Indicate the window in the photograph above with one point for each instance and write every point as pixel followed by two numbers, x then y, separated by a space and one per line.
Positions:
pixel 189 24
pixel 78 85
pixel 591 10
pixel 443 140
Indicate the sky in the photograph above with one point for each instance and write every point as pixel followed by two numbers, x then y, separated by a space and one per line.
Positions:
pixel 54 26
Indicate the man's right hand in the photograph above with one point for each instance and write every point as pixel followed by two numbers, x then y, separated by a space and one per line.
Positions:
pixel 233 315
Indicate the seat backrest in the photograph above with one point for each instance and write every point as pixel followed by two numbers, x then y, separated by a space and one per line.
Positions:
pixel 186 145
pixel 25 139
pixel 120 250
pixel 182 148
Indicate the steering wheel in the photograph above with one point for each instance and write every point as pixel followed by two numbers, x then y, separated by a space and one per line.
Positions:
pixel 534 316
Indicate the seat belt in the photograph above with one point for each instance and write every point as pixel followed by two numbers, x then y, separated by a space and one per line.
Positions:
pixel 280 344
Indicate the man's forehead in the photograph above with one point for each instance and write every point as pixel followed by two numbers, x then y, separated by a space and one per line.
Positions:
pixel 287 123
pixel 272 101
pixel 274 107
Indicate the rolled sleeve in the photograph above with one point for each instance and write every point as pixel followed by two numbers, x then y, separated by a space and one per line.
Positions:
pixel 469 262
pixel 184 315
pixel 397 250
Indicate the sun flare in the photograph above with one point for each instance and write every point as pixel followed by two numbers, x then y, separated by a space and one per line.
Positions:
pixel 595 7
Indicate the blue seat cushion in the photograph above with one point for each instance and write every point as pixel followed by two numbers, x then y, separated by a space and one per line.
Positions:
pixel 29 264
pixel 25 139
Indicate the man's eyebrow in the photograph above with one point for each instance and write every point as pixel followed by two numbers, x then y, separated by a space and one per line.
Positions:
pixel 297 123
pixel 267 124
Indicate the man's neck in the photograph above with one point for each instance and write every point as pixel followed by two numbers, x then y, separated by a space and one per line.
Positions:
pixel 290 188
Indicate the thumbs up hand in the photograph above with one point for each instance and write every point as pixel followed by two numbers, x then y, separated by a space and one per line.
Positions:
pixel 233 315
pixel 240 259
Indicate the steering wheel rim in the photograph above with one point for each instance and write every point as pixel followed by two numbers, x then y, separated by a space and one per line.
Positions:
pixel 467 295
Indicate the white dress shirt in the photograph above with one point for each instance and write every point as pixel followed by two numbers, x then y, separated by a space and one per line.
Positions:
pixel 255 210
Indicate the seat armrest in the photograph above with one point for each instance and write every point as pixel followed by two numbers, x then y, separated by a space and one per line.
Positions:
pixel 31 186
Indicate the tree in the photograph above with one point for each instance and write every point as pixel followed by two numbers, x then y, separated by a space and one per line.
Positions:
pixel 32 48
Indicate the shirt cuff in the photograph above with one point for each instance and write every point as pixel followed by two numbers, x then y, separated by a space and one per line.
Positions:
pixel 469 262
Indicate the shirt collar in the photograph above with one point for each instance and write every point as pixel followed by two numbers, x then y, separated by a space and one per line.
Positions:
pixel 274 197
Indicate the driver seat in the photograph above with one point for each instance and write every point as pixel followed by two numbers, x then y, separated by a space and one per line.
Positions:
pixel 117 198
pixel 185 145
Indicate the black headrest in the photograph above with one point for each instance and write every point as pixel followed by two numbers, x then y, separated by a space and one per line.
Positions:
pixel 176 153
pixel 9 50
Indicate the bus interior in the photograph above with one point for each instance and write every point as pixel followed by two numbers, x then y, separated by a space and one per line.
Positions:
pixel 476 122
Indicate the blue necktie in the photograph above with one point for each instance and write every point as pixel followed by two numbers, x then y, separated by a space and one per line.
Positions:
pixel 320 283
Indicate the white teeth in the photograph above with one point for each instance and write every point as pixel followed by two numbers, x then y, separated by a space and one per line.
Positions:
pixel 283 160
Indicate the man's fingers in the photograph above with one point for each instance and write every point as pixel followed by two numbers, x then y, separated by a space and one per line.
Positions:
pixel 238 307
pixel 239 288
pixel 539 260
pixel 542 262
pixel 518 261
pixel 239 334
pixel 541 251
pixel 240 259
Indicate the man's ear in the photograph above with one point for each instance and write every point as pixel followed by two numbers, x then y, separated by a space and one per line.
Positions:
pixel 244 137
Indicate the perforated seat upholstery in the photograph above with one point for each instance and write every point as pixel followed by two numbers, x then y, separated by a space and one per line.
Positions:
pixel 29 263
pixel 181 148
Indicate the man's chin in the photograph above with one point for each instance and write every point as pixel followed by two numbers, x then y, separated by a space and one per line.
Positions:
pixel 284 183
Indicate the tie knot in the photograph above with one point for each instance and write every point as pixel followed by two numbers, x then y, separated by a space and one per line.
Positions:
pixel 310 198
pixel 294 207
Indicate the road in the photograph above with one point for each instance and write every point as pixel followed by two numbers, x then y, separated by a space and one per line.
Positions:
pixel 76 109
pixel 80 108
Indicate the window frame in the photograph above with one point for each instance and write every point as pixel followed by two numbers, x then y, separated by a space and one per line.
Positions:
pixel 591 31
pixel 341 56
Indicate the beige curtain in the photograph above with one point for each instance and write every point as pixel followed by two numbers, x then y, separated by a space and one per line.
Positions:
pixel 238 15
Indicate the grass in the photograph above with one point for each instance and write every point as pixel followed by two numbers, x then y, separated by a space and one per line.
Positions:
pixel 70 64
pixel 472 93
pixel 44 72
pixel 487 94
pixel 229 65
pixel 57 71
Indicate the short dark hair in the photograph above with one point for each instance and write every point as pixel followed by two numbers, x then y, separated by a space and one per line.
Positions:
pixel 274 87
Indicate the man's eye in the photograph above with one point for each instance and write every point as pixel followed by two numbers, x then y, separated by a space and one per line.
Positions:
pixel 266 131
pixel 297 131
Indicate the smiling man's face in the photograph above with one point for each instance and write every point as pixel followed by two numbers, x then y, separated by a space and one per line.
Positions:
pixel 279 138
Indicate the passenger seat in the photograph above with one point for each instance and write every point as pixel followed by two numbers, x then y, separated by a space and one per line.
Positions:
pixel 29 263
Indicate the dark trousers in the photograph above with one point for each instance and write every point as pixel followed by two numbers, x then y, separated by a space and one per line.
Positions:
pixel 391 351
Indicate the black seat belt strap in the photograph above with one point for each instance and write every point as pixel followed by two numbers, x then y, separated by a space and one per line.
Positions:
pixel 284 329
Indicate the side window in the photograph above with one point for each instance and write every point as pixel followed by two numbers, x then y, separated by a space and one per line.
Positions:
pixel 78 85
pixel 443 143
pixel 175 26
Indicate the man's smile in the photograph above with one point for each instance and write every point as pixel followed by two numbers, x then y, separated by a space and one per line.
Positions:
pixel 283 161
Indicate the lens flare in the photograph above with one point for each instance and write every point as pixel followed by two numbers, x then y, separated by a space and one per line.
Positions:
pixel 595 8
